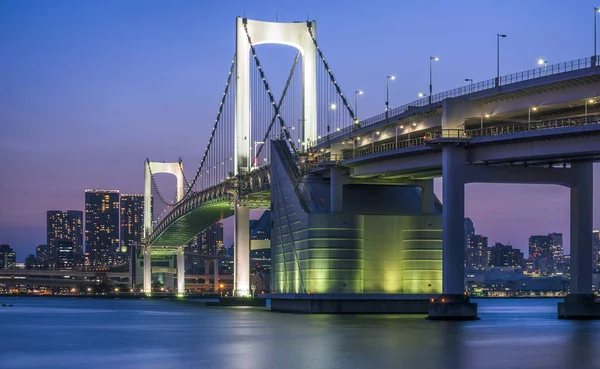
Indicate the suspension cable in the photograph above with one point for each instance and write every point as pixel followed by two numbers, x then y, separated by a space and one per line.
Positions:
pixel 212 134
pixel 287 84
pixel 337 87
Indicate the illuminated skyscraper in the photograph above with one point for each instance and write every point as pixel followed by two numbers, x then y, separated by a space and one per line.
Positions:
pixel 556 243
pixel 65 255
pixel 8 257
pixel 132 221
pixel 541 254
pixel 102 225
pixel 477 257
pixel 63 225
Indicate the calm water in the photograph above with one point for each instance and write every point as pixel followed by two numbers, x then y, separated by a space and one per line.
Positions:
pixel 114 334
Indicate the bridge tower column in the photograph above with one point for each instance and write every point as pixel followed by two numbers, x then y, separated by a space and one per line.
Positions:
pixel 241 251
pixel 147 271
pixel 216 274
pixel 180 272
pixel 453 304
pixel 427 197
pixel 581 302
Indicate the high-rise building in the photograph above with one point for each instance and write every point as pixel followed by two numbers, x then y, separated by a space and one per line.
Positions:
pixel 261 228
pixel 102 225
pixel 505 255
pixel 477 252
pixel 541 254
pixel 132 221
pixel 8 257
pixel 41 254
pixel 63 225
pixel 596 248
pixel 65 259
pixel 214 239
pixel 556 242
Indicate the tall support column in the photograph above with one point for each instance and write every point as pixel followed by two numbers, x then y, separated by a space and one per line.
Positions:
pixel 147 200
pixel 427 197
pixel 216 274
pixel 241 252
pixel 581 230
pixel 147 271
pixel 206 273
pixel 180 272
pixel 336 190
pixel 453 214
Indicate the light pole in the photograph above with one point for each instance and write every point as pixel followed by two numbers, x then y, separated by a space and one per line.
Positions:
pixel 431 59
pixel 596 11
pixel 470 84
pixel 331 109
pixel 356 93
pixel 533 108
pixel 588 101
pixel 498 58
pixel 543 62
pixel 387 95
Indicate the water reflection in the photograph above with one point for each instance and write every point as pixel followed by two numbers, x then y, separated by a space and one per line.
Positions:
pixel 76 333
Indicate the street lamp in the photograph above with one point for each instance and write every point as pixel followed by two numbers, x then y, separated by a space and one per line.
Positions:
pixel 431 59
pixel 387 95
pixel 596 11
pixel 420 94
pixel 588 101
pixel 544 63
pixel 533 108
pixel 498 58
pixel 470 84
pixel 356 93
pixel 332 107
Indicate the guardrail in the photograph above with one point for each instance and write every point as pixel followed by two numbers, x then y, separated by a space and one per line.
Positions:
pixel 530 74
pixel 471 133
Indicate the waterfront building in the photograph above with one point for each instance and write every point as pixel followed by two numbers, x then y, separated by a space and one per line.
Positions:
pixel 477 256
pixel 132 223
pixel 63 225
pixel 65 255
pixel 556 244
pixel 41 254
pixel 505 256
pixel 102 226
pixel 541 254
pixel 8 257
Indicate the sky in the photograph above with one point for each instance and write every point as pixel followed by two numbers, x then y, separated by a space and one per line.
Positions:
pixel 89 89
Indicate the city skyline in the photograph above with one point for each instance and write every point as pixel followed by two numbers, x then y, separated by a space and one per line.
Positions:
pixel 137 80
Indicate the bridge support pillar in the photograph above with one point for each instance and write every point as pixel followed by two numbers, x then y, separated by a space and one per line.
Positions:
pixel 453 304
pixel 427 197
pixel 180 272
pixel 581 302
pixel 206 273
pixel 147 271
pixel 216 274
pixel 241 251
pixel 336 190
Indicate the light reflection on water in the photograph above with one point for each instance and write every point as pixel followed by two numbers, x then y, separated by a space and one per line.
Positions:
pixel 85 333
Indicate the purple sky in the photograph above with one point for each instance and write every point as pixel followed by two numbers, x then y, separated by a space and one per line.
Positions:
pixel 89 89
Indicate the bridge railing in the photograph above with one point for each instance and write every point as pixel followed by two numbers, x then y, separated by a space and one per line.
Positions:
pixel 498 130
pixel 530 74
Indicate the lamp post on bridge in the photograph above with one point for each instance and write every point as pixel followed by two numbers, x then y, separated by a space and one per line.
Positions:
pixel 596 11
pixel 588 101
pixel 498 58
pixel 431 59
pixel 356 93
pixel 470 84
pixel 543 62
pixel 387 96
pixel 532 108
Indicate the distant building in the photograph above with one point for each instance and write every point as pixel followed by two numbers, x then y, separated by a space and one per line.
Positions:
pixel 541 254
pixel 102 226
pixel 477 252
pixel 8 257
pixel 63 225
pixel 261 229
pixel 132 222
pixel 556 243
pixel 65 255
pixel 41 254
pixel 596 248
pixel 505 256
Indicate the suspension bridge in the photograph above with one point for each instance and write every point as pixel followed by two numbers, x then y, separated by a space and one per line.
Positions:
pixel 354 216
